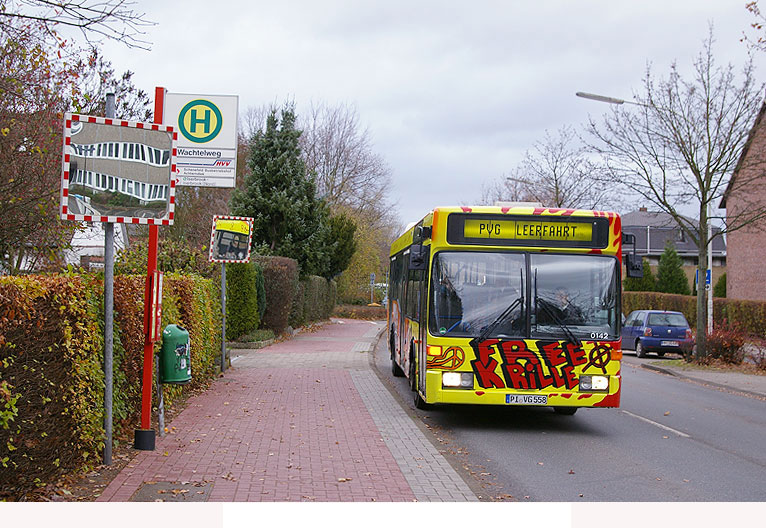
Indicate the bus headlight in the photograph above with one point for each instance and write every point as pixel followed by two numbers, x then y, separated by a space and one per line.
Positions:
pixel 594 383
pixel 457 380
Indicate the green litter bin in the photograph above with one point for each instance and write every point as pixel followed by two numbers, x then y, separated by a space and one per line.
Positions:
pixel 175 358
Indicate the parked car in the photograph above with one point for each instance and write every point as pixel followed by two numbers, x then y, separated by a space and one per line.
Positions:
pixel 657 331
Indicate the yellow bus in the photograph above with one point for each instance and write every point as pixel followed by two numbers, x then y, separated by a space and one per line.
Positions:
pixel 516 305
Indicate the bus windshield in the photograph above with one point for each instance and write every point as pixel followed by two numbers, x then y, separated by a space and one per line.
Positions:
pixel 561 294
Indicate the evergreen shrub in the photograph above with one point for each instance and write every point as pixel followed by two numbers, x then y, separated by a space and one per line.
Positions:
pixel 241 300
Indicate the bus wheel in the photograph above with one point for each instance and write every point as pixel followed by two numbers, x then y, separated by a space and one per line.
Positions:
pixel 420 403
pixel 396 370
pixel 566 411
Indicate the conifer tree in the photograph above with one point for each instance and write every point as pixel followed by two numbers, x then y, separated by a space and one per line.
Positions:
pixel 290 220
pixel 646 283
pixel 670 274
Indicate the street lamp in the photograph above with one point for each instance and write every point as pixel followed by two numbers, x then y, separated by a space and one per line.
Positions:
pixel 606 99
pixel 708 287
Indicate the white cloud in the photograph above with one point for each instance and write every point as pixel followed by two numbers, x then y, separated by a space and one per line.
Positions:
pixel 453 92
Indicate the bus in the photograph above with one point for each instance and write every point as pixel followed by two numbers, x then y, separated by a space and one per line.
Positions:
pixel 508 305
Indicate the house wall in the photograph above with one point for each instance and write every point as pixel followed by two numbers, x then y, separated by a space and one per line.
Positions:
pixel 746 247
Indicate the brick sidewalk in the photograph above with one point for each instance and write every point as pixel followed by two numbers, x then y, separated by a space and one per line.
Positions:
pixel 288 423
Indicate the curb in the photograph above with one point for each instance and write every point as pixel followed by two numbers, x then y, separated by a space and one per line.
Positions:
pixel 686 377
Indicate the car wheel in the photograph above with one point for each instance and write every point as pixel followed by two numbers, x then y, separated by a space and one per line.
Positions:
pixel 660 354
pixel 640 352
pixel 565 411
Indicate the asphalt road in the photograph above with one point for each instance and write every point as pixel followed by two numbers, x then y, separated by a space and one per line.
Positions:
pixel 670 440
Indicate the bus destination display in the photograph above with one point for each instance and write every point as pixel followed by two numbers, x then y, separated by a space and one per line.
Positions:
pixel 514 231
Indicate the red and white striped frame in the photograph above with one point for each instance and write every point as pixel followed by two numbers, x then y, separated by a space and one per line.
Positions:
pixel 249 238
pixel 165 220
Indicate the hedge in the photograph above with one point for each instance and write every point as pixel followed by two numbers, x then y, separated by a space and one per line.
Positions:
pixel 314 300
pixel 749 316
pixel 281 281
pixel 50 371
pixel 51 374
pixel 241 300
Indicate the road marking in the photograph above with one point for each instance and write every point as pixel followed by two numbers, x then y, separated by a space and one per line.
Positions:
pixel 647 420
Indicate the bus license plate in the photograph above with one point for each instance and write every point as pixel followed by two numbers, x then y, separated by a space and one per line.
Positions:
pixel 669 343
pixel 526 399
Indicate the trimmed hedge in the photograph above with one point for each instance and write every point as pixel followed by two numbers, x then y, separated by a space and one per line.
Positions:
pixel 242 313
pixel 748 316
pixel 314 301
pixel 281 282
pixel 51 374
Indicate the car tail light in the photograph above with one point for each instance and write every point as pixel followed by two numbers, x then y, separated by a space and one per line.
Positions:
pixel 648 331
pixel 688 333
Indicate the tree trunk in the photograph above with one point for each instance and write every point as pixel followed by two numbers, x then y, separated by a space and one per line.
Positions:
pixel 701 280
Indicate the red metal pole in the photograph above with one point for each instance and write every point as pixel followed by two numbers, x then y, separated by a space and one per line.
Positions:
pixel 144 437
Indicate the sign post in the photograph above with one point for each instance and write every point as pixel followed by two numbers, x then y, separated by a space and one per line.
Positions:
pixel 230 240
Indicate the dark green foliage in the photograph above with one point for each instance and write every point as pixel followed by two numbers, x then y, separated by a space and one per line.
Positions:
pixel 241 300
pixel 670 274
pixel 289 220
pixel 260 289
pixel 646 283
pixel 298 310
pixel 719 290
pixel 281 280
pixel 342 229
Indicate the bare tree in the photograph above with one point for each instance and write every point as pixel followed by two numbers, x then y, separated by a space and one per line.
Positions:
pixel 507 188
pixel 677 148
pixel 340 153
pixel 111 19
pixel 557 172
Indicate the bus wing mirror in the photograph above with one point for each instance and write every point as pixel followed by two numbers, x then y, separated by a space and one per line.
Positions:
pixel 419 257
pixel 635 266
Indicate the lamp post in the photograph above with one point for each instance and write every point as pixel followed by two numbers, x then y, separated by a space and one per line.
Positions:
pixel 709 227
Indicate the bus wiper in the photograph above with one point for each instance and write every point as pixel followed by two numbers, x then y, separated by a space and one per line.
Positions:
pixel 487 331
pixel 546 306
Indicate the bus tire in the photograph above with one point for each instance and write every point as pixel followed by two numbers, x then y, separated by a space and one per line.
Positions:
pixel 396 370
pixel 565 411
pixel 420 403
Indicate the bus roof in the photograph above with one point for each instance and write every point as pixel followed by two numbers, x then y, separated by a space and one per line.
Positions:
pixel 525 209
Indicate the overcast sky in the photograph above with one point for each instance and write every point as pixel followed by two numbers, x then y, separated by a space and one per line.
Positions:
pixel 453 93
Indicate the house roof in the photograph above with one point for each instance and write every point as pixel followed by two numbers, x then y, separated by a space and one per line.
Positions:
pixel 745 151
pixel 662 228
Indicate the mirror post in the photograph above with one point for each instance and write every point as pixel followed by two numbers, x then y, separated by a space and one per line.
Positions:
pixel 108 319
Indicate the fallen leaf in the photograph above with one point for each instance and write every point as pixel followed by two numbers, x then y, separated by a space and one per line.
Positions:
pixel 343 479
pixel 667 413
pixel 571 472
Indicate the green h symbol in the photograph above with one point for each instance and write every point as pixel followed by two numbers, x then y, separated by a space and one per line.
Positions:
pixel 205 121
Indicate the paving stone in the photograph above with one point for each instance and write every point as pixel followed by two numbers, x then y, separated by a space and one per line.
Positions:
pixel 301 420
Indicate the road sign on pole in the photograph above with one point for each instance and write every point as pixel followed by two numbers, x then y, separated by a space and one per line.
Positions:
pixel 207 138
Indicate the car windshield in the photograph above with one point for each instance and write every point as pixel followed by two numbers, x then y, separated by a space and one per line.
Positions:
pixel 666 319
pixel 473 291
